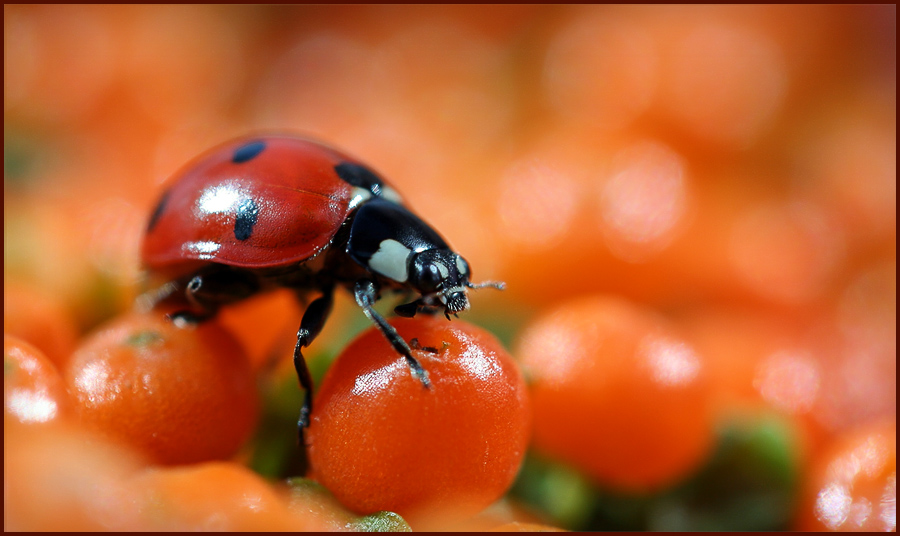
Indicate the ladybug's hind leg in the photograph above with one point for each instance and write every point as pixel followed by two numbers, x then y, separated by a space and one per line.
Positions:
pixel 212 287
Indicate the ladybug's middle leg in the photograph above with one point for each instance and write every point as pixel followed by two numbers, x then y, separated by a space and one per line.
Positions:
pixel 313 320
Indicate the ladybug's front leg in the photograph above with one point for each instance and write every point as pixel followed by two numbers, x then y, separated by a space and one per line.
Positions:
pixel 365 293
pixel 411 309
pixel 408 310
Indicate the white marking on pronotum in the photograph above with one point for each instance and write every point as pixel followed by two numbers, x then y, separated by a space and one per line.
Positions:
pixel 460 265
pixel 390 194
pixel 391 260
pixel 445 272
pixel 358 196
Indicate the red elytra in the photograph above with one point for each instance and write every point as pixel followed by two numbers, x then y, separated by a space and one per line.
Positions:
pixel 293 181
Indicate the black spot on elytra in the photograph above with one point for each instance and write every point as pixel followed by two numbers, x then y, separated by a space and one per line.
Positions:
pixel 245 219
pixel 248 152
pixel 157 212
pixel 361 176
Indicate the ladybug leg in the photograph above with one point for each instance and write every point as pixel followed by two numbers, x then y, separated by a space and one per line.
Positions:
pixel 411 309
pixel 313 319
pixel 365 294
pixel 408 310
pixel 212 287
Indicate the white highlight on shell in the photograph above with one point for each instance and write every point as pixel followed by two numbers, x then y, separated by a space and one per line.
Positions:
pixel 391 260
pixel 204 250
pixel 219 199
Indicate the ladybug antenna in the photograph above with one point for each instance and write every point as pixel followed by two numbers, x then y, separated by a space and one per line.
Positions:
pixel 499 285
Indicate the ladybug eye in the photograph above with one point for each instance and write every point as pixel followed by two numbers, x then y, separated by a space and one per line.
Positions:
pixel 429 271
pixel 430 277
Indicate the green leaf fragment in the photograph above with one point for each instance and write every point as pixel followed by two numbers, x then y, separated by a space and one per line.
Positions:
pixel 380 522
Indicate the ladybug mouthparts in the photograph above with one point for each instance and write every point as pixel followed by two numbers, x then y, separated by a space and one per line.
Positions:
pixel 455 300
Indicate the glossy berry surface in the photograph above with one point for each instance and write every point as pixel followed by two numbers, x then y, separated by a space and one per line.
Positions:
pixel 33 389
pixel 853 483
pixel 178 395
pixel 380 441
pixel 213 496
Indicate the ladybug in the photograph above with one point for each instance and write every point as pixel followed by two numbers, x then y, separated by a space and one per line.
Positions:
pixel 261 213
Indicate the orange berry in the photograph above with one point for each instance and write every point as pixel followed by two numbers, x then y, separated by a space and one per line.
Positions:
pixel 60 477
pixel 181 395
pixel 33 390
pixel 217 496
pixel 617 393
pixel 852 485
pixel 379 440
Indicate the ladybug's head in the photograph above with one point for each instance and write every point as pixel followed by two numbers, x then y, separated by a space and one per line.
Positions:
pixel 394 243
pixel 441 277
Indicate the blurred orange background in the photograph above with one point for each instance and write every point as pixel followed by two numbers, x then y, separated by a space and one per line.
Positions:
pixel 731 167
pixel 673 155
